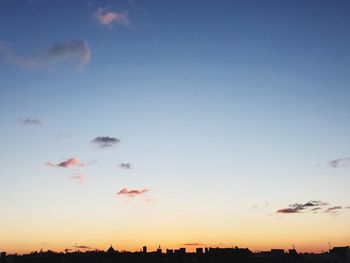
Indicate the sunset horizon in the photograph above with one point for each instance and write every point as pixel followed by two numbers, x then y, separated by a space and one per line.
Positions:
pixel 190 248
pixel 180 124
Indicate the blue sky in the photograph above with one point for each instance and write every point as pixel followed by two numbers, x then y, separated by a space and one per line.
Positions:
pixel 220 106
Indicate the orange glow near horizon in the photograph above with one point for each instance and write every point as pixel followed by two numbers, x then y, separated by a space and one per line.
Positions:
pixel 173 232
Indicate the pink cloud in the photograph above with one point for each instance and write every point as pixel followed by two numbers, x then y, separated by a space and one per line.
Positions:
pixel 67 163
pixel 288 210
pixel 108 17
pixel 132 192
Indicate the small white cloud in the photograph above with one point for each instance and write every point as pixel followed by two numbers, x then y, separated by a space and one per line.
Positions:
pixel 31 121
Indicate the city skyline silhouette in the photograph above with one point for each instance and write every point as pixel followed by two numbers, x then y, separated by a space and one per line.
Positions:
pixel 207 254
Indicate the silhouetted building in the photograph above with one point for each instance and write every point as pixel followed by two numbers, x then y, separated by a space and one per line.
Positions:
pixel 199 250
pixel 292 252
pixel 342 253
pixel 181 250
pixel 111 250
pixel 144 249
pixel 2 257
pixel 277 252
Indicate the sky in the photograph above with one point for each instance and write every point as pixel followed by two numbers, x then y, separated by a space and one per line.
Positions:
pixel 174 123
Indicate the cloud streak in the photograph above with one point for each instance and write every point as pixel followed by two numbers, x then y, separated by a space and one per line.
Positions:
pixel 340 162
pixel 288 210
pixel 333 209
pixel 31 121
pixel 105 141
pixel 297 207
pixel 108 17
pixel 82 247
pixel 132 192
pixel 67 163
pixel 193 244
pixel 125 166
pixel 74 52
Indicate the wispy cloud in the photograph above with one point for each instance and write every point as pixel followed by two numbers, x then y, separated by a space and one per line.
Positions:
pixel 297 207
pixel 108 17
pixel 80 178
pixel 315 203
pixel 125 166
pixel 132 192
pixel 340 162
pixel 333 209
pixel 82 247
pixel 193 244
pixel 74 52
pixel 30 121
pixel 289 210
pixel 67 163
pixel 105 141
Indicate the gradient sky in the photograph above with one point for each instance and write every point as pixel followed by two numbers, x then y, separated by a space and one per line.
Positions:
pixel 233 117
